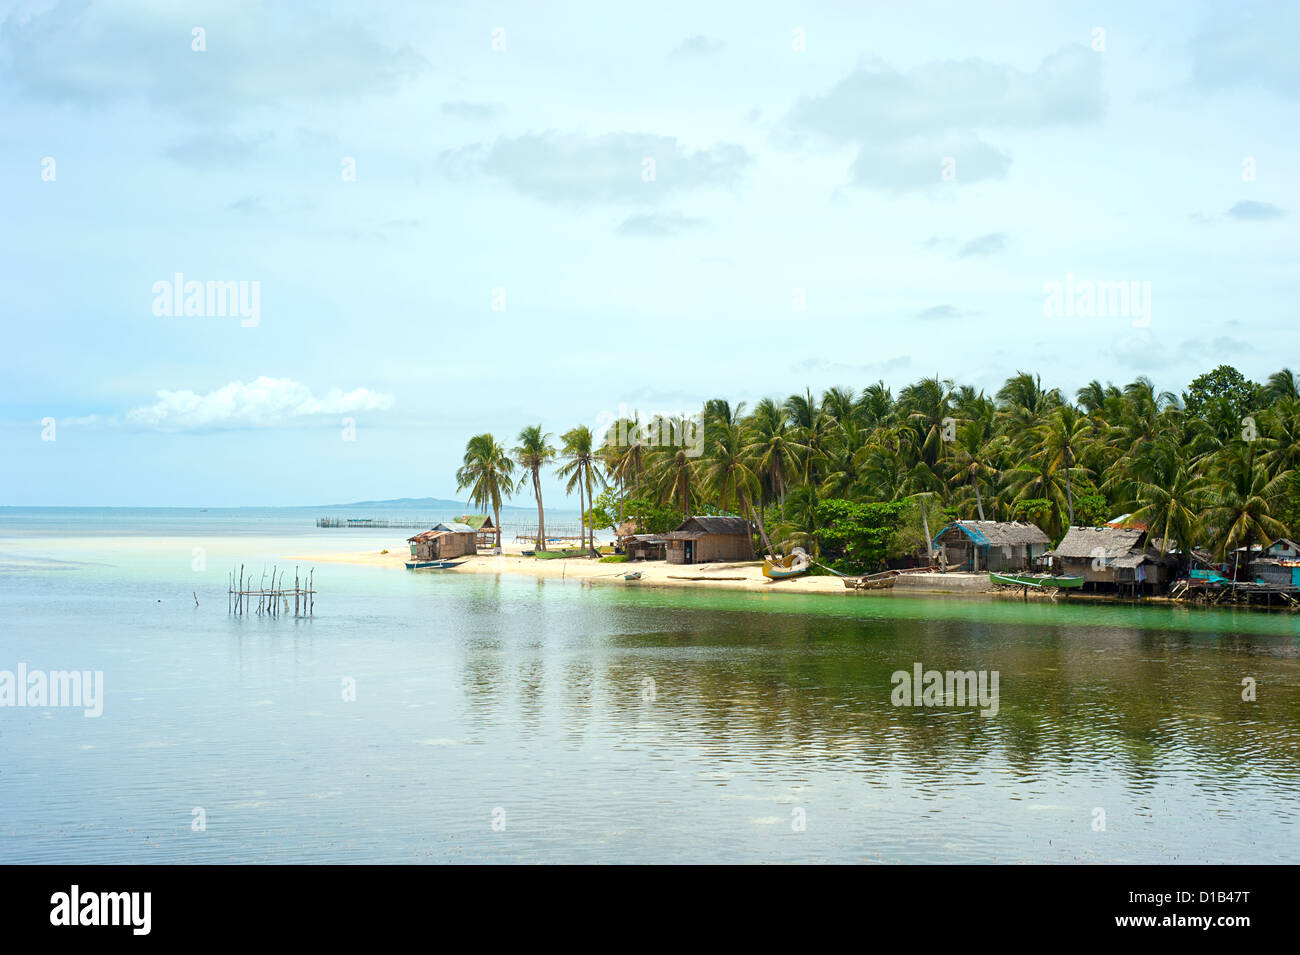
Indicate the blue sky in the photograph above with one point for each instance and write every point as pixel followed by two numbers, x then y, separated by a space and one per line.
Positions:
pixel 914 174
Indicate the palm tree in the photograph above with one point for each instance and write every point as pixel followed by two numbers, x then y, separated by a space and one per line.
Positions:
pixel 1282 385
pixel 489 474
pixel 672 474
pixel 1167 496
pixel 579 469
pixel 1240 501
pixel 730 477
pixel 1061 438
pixel 1022 402
pixel 875 405
pixel 533 453
pixel 773 447
pixel 927 406
pixel 813 428
pixel 624 454
pixel 974 459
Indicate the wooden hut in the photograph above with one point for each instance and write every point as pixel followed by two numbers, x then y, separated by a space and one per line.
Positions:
pixel 483 527
pixel 1112 556
pixel 990 545
pixel 444 542
pixel 646 547
pixel 702 539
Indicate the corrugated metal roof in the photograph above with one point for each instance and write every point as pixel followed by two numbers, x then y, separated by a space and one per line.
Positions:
pixel 455 527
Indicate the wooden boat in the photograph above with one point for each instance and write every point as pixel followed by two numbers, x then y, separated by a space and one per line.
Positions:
pixel 431 564
pixel 1036 580
pixel 794 564
pixel 635 575
pixel 881 581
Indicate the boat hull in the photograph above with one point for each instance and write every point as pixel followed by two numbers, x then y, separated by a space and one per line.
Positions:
pixel 1037 580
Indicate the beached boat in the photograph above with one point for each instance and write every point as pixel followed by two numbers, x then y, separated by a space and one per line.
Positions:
pixel 1036 580
pixel 431 564
pixel 794 564
pixel 635 575
pixel 881 581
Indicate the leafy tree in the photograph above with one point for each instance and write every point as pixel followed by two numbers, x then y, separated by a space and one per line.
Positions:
pixel 488 472
pixel 1225 382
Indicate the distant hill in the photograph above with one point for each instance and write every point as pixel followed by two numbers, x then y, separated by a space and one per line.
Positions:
pixel 427 503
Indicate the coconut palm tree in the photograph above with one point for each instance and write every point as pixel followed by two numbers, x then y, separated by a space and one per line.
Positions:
pixel 773 447
pixel 1167 495
pixel 1240 501
pixel 974 459
pixel 624 454
pixel 1022 403
pixel 488 472
pixel 534 453
pixel 579 467
pixel 672 474
pixel 1282 385
pixel 729 475
pixel 875 405
pixel 1066 432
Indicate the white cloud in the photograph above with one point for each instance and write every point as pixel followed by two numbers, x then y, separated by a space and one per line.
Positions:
pixel 261 403
pixel 905 123
pixel 614 167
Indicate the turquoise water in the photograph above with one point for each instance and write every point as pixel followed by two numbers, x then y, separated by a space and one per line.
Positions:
pixel 484 699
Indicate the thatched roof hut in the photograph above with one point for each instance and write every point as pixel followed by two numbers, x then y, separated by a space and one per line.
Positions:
pixel 1111 555
pixel 482 525
pixel 990 545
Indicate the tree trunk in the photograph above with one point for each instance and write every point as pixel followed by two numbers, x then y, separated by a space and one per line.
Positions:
pixel 582 512
pixel 591 525
pixel 541 513
pixel 979 503
pixel 1069 495
pixel 929 541
pixel 762 531
pixel 496 519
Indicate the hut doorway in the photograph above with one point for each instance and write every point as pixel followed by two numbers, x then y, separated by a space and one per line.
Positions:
pixel 690 552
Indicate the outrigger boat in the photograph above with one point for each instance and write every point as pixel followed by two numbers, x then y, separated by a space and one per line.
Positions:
pixel 1037 580
pixel 431 564
pixel 794 564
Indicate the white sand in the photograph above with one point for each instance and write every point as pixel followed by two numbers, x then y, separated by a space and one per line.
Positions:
pixel 653 572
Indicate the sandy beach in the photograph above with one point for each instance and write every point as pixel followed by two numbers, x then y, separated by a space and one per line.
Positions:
pixel 746 575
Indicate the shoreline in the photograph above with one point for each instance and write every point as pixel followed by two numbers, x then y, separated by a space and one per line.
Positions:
pixel 722 575
pixel 734 575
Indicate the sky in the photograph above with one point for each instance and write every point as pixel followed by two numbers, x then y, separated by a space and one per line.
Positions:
pixel 451 218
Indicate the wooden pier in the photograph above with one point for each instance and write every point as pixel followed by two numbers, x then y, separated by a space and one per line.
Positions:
pixel 364 522
pixel 242 597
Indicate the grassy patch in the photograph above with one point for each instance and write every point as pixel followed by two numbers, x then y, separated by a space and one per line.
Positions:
pixel 614 559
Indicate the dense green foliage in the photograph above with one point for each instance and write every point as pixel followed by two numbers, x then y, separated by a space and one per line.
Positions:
pixel 864 476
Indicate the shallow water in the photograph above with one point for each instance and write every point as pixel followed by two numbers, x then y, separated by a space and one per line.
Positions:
pixel 524 702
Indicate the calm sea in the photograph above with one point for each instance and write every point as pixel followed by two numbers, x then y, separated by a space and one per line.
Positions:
pixel 514 720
